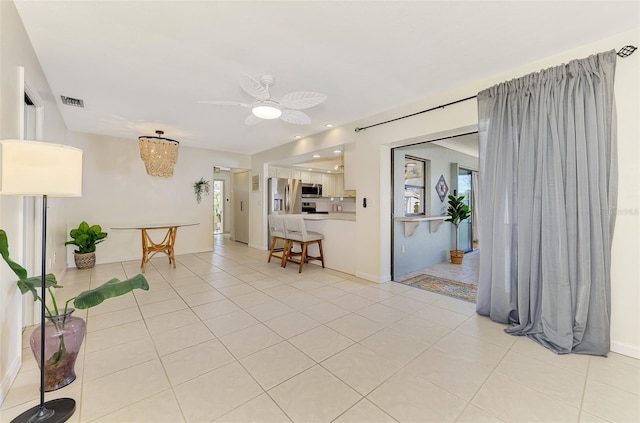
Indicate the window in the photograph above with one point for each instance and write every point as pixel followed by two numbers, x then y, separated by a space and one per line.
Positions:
pixel 414 186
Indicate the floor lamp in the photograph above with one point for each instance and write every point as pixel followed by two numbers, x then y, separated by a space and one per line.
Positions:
pixel 31 168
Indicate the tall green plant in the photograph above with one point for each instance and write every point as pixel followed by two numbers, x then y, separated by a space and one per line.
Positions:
pixel 84 300
pixel 457 211
pixel 86 237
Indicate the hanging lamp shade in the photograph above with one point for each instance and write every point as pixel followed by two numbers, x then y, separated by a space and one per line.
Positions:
pixel 159 154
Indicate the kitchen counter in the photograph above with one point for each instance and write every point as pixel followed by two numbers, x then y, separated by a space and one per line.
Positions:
pixel 330 216
pixel 339 243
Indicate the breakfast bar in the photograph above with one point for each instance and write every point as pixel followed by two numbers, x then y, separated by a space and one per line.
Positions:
pixel 339 230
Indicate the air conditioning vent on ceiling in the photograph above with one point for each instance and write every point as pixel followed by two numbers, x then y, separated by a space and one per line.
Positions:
pixel 72 101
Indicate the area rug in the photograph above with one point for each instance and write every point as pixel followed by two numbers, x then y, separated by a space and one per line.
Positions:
pixel 460 290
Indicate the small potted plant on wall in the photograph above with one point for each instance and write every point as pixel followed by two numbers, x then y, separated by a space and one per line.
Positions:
pixel 64 333
pixel 457 211
pixel 86 237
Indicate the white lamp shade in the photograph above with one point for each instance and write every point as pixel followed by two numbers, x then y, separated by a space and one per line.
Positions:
pixel 34 168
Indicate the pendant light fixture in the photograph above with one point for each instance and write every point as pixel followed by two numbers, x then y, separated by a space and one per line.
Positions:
pixel 159 154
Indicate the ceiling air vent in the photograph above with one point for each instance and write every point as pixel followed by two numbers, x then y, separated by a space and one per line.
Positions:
pixel 72 101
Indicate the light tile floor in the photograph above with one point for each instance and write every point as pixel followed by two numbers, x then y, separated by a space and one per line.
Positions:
pixel 228 337
pixel 467 272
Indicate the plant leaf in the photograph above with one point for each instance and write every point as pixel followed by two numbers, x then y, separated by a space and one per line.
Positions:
pixel 110 289
pixel 20 271
pixel 30 284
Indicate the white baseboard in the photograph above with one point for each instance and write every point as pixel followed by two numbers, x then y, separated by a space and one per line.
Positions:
pixel 373 278
pixel 624 349
pixel 9 378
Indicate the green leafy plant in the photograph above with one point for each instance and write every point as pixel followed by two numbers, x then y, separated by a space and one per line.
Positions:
pixel 84 300
pixel 200 187
pixel 86 237
pixel 457 211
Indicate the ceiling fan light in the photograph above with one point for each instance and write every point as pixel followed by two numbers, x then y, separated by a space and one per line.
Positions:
pixel 266 111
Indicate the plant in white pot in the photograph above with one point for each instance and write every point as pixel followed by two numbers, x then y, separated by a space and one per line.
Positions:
pixel 64 333
pixel 457 211
pixel 86 237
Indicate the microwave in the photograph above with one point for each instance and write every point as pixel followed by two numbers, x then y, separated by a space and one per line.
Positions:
pixel 311 190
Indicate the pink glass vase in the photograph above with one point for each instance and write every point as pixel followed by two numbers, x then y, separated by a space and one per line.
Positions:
pixel 63 339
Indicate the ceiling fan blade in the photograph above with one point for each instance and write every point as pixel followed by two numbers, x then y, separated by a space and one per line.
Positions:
pixel 295 116
pixel 254 88
pixel 225 103
pixel 252 120
pixel 302 100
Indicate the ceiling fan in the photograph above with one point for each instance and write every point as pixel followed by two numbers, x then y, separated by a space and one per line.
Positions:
pixel 287 109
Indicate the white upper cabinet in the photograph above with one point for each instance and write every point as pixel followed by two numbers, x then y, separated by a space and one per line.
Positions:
pixel 305 176
pixel 316 178
pixel 295 174
pixel 283 173
pixel 328 184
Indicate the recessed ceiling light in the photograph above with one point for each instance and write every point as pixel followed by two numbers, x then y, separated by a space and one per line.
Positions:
pixel 316 156
pixel 309 169
pixel 297 137
pixel 329 125
pixel 337 151
pixel 328 171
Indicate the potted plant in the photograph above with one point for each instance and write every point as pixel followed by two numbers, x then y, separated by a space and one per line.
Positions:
pixel 86 237
pixel 457 211
pixel 64 333
pixel 200 187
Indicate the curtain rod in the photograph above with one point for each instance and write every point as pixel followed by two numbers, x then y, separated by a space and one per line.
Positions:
pixel 625 51
pixel 439 139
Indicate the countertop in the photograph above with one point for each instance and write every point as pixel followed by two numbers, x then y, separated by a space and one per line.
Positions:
pixel 330 216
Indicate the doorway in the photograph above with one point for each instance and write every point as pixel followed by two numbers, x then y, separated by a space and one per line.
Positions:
pixel 465 188
pixel 241 206
pixel 218 206
pixel 31 209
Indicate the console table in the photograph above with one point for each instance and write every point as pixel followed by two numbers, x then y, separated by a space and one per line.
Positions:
pixel 151 248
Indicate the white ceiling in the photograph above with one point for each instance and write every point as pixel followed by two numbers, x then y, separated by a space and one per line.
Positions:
pixel 144 65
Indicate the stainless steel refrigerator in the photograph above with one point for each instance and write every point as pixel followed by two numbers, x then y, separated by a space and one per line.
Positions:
pixel 285 197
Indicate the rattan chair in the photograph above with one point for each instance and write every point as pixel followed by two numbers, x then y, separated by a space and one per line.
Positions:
pixel 296 233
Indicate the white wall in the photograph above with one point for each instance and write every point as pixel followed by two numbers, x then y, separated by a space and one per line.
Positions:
pixel 118 192
pixel 373 152
pixel 16 52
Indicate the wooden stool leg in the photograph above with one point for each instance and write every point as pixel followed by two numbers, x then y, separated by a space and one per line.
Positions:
pixel 303 256
pixel 273 246
pixel 321 255
pixel 286 252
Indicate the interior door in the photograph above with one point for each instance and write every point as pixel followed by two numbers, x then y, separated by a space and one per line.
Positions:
pixel 241 206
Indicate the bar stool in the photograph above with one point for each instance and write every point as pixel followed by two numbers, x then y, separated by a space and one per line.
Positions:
pixel 276 229
pixel 296 233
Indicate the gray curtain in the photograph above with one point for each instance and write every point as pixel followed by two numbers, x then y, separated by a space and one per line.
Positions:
pixel 548 183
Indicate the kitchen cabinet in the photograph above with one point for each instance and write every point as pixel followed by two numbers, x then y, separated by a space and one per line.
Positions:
pixel 305 176
pixel 328 185
pixel 283 173
pixel 316 178
pixel 340 191
pixel 295 174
